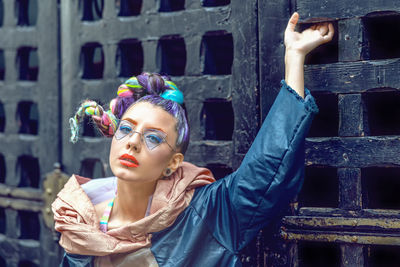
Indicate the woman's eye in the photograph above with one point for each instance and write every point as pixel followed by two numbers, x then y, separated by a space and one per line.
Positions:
pixel 125 129
pixel 154 138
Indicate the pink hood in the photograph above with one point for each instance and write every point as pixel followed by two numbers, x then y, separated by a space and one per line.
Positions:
pixel 75 217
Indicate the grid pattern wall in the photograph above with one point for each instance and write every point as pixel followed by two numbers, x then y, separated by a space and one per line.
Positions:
pixel 348 209
pixel 196 42
pixel 28 127
pixel 209 48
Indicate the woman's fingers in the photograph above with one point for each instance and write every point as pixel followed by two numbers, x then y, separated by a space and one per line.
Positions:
pixel 307 40
pixel 292 22
pixel 331 32
pixel 323 28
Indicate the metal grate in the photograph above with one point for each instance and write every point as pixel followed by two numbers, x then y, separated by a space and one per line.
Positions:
pixel 29 110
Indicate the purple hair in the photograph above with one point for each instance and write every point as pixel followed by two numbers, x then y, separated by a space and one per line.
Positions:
pixel 147 87
pixel 176 110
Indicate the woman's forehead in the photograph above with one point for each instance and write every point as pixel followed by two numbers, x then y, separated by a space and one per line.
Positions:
pixel 150 116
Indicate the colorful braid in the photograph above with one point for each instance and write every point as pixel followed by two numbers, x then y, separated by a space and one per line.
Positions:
pixel 109 122
pixel 149 87
pixel 129 88
pixel 106 120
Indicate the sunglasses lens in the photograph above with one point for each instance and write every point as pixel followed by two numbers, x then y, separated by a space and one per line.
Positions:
pixel 153 138
pixel 124 129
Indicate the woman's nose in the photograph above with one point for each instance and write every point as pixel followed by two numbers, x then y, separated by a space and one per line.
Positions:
pixel 135 141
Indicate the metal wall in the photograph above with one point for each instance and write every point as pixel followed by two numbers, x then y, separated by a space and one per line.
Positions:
pixel 347 213
pixel 29 138
pixel 207 50
pixel 227 58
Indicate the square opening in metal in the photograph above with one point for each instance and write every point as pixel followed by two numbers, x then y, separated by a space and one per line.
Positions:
pixel 1 13
pixel 381 187
pixel 382 36
pixel 217 119
pixel 26 263
pixel 2 118
pixel 217 53
pixel 320 188
pixel 171 55
pixel 2 169
pixel 326 122
pixel 130 58
pixel 171 5
pixel 128 8
pixel 90 128
pixel 92 168
pixel 91 10
pixel 28 117
pixel 219 170
pixel 317 254
pixel 92 61
pixel 3 222
pixel 28 63
pixel 383 112
pixel 29 225
pixel 211 3
pixel 26 12
pixel 28 171
pixel 387 256
pixel 2 65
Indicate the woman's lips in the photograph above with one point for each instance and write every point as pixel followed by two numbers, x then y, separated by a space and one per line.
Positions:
pixel 128 161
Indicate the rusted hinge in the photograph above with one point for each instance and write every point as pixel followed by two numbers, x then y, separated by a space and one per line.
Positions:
pixel 52 184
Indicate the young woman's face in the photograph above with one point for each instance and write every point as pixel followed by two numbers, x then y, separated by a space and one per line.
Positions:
pixel 138 153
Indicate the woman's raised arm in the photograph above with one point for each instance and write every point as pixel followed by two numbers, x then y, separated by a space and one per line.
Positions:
pixel 271 173
pixel 298 45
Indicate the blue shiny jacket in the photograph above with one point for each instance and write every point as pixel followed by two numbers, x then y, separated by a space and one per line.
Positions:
pixel 225 216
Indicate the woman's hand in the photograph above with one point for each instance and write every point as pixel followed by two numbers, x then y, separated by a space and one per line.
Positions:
pixel 298 45
pixel 302 43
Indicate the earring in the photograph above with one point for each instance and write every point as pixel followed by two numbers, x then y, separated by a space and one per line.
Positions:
pixel 168 172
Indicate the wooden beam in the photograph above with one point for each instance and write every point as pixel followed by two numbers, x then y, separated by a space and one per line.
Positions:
pixel 340 9
pixel 354 238
pixel 335 212
pixel 352 255
pixel 20 249
pixel 350 39
pixel 353 77
pixel 216 151
pixel 350 193
pixel 353 152
pixel 342 223
pixel 19 192
pixel 20 204
pixel 352 118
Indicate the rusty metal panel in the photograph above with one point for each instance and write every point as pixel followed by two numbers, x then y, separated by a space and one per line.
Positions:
pixel 210 50
pixel 344 211
pixel 200 29
pixel 29 138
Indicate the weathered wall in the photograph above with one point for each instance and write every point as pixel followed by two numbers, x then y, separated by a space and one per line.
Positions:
pixel 227 58
pixel 347 212
pixel 29 138
pixel 208 51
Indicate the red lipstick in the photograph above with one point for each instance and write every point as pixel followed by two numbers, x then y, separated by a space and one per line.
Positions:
pixel 128 161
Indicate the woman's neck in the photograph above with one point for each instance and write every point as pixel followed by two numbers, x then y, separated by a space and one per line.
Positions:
pixel 131 201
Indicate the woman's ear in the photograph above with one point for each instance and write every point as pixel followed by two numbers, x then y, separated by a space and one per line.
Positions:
pixel 175 161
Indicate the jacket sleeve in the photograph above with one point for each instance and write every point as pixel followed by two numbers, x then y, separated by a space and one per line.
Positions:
pixel 238 206
pixel 74 260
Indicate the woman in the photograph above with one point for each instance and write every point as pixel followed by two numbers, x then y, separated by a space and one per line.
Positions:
pixel 162 211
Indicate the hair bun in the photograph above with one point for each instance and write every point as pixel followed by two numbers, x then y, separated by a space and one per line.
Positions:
pixel 174 95
pixel 130 88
